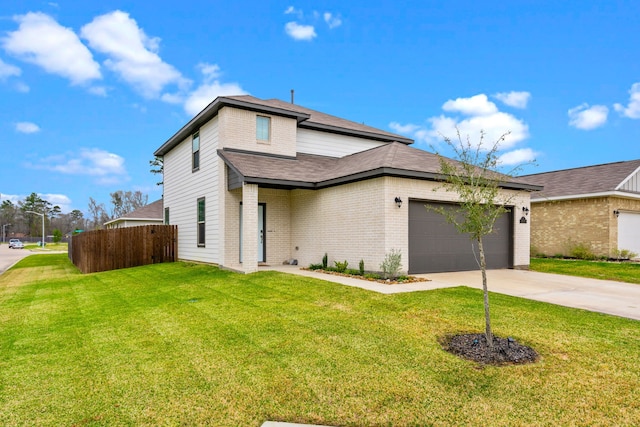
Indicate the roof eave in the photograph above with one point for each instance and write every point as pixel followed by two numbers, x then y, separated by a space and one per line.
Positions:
pixel 622 194
pixel 357 133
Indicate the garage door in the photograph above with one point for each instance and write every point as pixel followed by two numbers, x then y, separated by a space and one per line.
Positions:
pixel 435 245
pixel 629 231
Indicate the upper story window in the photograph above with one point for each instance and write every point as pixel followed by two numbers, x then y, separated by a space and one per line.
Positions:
pixel 263 128
pixel 195 151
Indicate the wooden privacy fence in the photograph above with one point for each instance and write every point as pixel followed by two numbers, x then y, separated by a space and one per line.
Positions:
pixel 103 250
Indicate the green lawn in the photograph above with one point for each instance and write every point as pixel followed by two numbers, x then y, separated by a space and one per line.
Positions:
pixel 620 271
pixel 186 344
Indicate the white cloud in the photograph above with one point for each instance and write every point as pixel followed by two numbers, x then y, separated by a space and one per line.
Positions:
pixel 132 54
pixel 478 105
pixel 8 70
pixel 27 127
pixel 22 87
pixel 207 91
pixel 476 114
pixel 587 118
pixel 632 110
pixel 104 167
pixel 332 20
pixel 517 157
pixel 514 99
pixel 58 50
pixel 300 32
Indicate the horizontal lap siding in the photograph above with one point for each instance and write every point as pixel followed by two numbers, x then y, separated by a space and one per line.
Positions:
pixel 332 145
pixel 183 187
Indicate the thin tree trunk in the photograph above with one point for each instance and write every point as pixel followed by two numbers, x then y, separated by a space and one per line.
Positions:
pixel 487 320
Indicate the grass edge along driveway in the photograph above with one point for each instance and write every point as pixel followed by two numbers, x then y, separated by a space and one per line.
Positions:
pixel 628 272
pixel 188 344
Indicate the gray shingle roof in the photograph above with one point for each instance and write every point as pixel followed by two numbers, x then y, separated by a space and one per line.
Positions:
pixel 312 171
pixel 306 118
pixel 151 211
pixel 582 181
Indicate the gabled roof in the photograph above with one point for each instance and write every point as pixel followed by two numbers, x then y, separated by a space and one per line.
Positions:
pixel 305 117
pixel 315 172
pixel 588 181
pixel 152 211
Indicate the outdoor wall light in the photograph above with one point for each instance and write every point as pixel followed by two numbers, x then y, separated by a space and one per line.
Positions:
pixel 525 210
pixel 399 202
pixel 616 213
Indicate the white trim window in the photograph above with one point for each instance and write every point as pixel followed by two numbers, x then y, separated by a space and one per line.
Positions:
pixel 263 128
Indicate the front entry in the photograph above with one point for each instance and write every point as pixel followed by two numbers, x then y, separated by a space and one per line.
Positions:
pixel 262 241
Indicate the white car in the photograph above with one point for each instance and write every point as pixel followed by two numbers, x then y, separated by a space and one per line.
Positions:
pixel 15 244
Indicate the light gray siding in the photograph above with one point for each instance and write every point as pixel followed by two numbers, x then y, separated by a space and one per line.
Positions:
pixel 330 144
pixel 182 188
pixel 632 183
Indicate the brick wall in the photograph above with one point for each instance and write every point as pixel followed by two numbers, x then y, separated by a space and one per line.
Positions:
pixel 238 130
pixel 556 226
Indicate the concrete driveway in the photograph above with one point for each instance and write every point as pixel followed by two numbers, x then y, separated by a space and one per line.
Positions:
pixel 8 257
pixel 604 296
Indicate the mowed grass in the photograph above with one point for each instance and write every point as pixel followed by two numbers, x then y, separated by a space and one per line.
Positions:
pixel 620 271
pixel 188 344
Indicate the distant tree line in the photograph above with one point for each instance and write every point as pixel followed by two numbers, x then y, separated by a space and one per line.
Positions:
pixel 16 220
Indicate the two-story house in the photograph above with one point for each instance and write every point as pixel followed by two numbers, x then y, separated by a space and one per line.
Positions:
pixel 251 181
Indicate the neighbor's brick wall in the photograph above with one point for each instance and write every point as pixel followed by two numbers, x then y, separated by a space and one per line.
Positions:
pixel 556 226
pixel 238 130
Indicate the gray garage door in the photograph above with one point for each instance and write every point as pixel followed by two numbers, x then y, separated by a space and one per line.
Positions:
pixel 435 245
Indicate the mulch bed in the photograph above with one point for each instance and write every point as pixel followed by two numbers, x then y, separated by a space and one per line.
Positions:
pixel 506 351
pixel 407 279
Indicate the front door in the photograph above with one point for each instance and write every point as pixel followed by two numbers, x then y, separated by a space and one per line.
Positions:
pixel 262 237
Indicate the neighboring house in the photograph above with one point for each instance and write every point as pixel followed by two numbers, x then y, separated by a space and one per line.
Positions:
pixel 151 214
pixel 597 206
pixel 251 181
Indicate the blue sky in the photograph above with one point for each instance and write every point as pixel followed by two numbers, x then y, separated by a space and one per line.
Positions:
pixel 90 89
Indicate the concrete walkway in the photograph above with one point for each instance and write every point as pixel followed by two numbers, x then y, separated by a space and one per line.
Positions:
pixel 604 296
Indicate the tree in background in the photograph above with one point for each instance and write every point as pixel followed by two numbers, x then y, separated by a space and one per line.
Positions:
pixel 157 167
pixel 124 202
pixel 475 178
pixel 98 214
pixel 34 203
pixel 57 235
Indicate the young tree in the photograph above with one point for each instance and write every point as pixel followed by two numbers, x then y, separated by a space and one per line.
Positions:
pixel 477 182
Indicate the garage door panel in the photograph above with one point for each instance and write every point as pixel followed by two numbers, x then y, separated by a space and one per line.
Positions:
pixel 435 245
pixel 629 231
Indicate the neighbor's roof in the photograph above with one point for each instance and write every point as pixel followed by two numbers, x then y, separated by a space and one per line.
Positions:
pixel 152 211
pixel 588 181
pixel 306 118
pixel 314 172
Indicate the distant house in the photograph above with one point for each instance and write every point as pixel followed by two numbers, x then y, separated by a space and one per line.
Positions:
pixel 597 206
pixel 151 214
pixel 251 181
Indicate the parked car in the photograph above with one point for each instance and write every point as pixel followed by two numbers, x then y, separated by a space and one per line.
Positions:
pixel 15 244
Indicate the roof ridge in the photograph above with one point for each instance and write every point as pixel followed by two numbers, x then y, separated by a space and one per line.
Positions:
pixel 582 167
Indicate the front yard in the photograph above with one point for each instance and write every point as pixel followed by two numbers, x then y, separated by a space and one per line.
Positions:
pixel 620 271
pixel 187 344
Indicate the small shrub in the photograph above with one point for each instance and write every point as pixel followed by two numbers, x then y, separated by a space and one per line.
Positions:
pixel 361 265
pixel 325 261
pixel 373 276
pixel 391 264
pixel 402 278
pixel 581 251
pixel 353 272
pixel 341 266
pixel 315 267
pixel 621 254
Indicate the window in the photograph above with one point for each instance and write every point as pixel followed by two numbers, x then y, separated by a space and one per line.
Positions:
pixel 166 216
pixel 195 151
pixel 201 223
pixel 263 125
